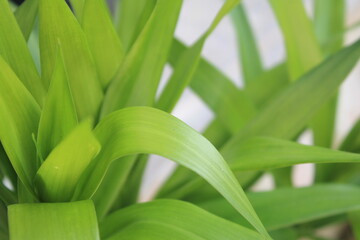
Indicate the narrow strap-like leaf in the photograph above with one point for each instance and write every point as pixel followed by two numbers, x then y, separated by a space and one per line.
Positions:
pixel 354 218
pixel 26 15
pixel 58 24
pixel 181 215
pixel 55 221
pixel 103 41
pixel 147 130
pixel 58 116
pixel 281 208
pixel 137 80
pixel 249 54
pixel 187 64
pixel 14 50
pixel 57 177
pixel 19 121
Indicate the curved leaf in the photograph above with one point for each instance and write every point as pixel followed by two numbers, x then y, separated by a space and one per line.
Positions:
pixel 57 177
pixel 281 208
pixel 26 15
pixel 147 130
pixel 189 219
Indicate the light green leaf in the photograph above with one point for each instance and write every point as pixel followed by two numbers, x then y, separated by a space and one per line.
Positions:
pixel 55 221
pixel 261 153
pixel 146 130
pixel 26 15
pixel 187 63
pixel 286 207
pixel 132 17
pixel 230 104
pixel 137 80
pixel 351 143
pixel 298 102
pixel 188 219
pixel 102 38
pixel 58 116
pixel 249 54
pixel 19 120
pixel 59 25
pixel 14 51
pixel 57 177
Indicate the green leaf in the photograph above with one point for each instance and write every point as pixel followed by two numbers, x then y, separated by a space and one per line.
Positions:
pixel 137 80
pixel 286 207
pixel 175 217
pixel 354 218
pixel 298 102
pixel 329 21
pixel 261 153
pixel 58 25
pixel 14 51
pixel 132 17
pixel 58 116
pixel 102 38
pixel 57 177
pixel 351 143
pixel 230 104
pixel 146 130
pixel 249 54
pixel 55 221
pixel 187 63
pixel 19 120
pixel 26 15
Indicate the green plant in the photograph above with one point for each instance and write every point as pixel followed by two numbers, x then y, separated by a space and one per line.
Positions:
pixel 75 139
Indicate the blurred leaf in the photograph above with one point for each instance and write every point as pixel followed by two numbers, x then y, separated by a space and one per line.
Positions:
pixel 102 38
pixel 298 102
pixel 132 17
pixel 260 153
pixel 351 143
pixel 19 120
pixel 354 218
pixel 175 217
pixel 26 15
pixel 249 54
pixel 14 51
pixel 58 25
pixel 286 207
pixel 58 116
pixel 188 62
pixel 57 177
pixel 137 80
pixel 146 130
pixel 55 221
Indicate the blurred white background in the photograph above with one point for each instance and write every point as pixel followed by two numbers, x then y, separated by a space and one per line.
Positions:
pixel 221 50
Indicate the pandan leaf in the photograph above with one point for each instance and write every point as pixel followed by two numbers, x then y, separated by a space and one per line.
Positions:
pixel 26 15
pixel 103 41
pixel 58 175
pixel 175 217
pixel 19 120
pixel 55 221
pixel 59 25
pixel 286 207
pixel 137 80
pixel 58 116
pixel 146 130
pixel 14 51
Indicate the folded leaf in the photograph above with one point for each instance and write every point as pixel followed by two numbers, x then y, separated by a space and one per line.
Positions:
pixel 146 130
pixel 58 175
pixel 55 221
pixel 58 116
pixel 286 207
pixel 137 80
pixel 19 120
pixel 14 51
pixel 59 25
pixel 103 41
pixel 175 217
